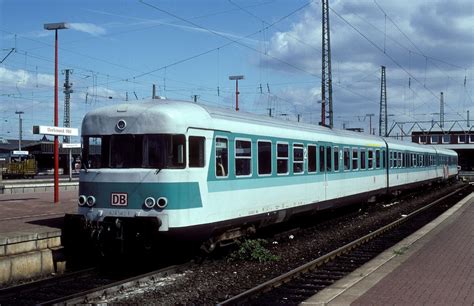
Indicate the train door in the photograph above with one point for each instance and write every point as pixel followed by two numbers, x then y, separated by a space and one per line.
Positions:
pixel 325 165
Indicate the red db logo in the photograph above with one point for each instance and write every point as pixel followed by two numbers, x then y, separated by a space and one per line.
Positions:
pixel 119 199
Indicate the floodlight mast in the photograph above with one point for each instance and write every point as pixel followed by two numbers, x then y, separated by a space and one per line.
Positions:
pixel 236 78
pixel 55 27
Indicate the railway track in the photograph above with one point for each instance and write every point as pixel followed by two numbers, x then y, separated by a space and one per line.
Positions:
pixel 301 283
pixel 80 287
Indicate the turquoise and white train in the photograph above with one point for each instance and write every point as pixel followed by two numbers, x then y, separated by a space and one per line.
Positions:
pixel 167 169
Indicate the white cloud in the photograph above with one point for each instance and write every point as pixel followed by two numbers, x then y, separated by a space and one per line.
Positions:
pixel 88 28
pixel 24 79
pixel 356 62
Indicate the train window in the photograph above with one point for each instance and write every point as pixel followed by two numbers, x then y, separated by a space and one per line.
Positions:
pixel 159 151
pixel 362 159
pixel 328 159
pixel 434 139
pixel 321 159
pixel 391 159
pixel 154 152
pixel 282 158
pixel 222 157
pixel 126 151
pixel 461 138
pixel 95 152
pixel 355 159
pixel 423 139
pixel 243 157
pixel 264 157
pixel 311 158
pixel 136 151
pixel 399 159
pixel 377 158
pixel 346 159
pixel 384 156
pixel 196 151
pixel 471 138
pixel 370 153
pixel 446 139
pixel 298 158
pixel 336 158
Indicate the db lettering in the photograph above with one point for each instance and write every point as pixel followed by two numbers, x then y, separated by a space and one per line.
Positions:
pixel 119 199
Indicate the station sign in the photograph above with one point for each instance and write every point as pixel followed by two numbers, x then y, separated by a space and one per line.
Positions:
pixel 55 130
pixel 70 145
pixel 20 152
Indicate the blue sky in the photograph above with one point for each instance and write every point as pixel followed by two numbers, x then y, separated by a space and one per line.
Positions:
pixel 120 48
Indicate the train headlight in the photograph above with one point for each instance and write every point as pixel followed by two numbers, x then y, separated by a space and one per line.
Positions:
pixel 82 200
pixel 121 124
pixel 149 202
pixel 162 202
pixel 90 201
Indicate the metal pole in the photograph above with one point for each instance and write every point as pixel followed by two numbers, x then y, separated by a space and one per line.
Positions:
pixel 236 78
pixel 370 124
pixel 56 141
pixel 237 95
pixel 20 129
pixel 441 110
pixel 70 162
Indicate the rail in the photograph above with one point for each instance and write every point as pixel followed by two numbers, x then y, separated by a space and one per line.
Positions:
pixel 242 298
pixel 110 290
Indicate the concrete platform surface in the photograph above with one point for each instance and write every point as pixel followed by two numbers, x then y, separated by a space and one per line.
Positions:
pixel 34 212
pixel 30 234
pixel 434 266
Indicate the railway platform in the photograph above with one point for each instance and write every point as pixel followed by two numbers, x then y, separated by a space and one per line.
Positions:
pixel 30 234
pixel 434 266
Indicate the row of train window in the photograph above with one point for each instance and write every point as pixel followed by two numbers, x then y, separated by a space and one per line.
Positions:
pixel 320 158
pixel 410 160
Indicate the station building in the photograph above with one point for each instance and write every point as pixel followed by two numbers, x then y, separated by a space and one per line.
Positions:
pixel 41 150
pixel 460 141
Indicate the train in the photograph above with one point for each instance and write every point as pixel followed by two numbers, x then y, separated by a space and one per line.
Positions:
pixel 19 169
pixel 169 170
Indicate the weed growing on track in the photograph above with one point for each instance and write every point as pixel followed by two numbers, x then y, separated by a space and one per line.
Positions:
pixel 253 250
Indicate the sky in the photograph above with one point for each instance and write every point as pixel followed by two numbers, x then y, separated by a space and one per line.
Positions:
pixel 118 49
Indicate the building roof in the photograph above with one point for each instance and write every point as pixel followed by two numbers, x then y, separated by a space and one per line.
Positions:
pixel 7 145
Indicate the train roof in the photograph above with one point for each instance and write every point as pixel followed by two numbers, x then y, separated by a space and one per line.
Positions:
pixel 174 116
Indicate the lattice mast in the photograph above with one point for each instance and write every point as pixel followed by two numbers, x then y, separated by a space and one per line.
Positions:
pixel 326 77
pixel 67 105
pixel 383 105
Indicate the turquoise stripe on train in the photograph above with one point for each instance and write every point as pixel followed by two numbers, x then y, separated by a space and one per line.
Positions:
pixel 179 195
